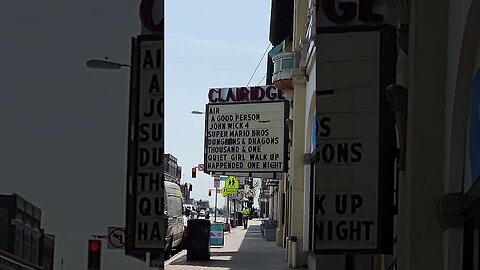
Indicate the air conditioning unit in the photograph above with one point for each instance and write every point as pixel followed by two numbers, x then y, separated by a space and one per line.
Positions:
pixel 283 64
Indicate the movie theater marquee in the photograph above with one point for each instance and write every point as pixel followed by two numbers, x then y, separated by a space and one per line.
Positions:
pixel 246 137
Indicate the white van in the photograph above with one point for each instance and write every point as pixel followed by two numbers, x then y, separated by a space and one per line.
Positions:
pixel 174 216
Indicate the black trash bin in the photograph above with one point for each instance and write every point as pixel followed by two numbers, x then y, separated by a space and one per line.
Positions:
pixel 198 240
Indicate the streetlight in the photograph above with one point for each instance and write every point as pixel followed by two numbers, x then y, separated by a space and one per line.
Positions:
pixel 104 64
pixel 197 112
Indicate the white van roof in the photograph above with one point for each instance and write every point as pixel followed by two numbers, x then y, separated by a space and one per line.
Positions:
pixel 172 188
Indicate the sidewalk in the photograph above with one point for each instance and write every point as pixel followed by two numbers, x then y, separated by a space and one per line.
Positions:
pixel 244 249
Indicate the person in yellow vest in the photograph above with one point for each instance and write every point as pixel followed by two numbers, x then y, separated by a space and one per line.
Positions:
pixel 246 216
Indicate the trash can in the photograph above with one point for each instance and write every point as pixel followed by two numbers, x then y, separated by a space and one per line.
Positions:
pixel 233 224
pixel 198 241
pixel 270 228
pixel 262 228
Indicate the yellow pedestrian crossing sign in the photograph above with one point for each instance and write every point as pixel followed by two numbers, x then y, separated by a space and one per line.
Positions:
pixel 232 182
pixel 231 186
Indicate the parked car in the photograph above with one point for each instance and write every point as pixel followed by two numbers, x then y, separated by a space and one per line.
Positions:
pixel 190 212
pixel 193 214
pixel 174 217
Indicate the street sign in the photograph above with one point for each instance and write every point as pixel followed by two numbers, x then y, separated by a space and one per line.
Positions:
pixel 224 191
pixel 116 238
pixel 200 167
pixel 232 182
pixel 240 194
pixel 216 182
pixel 251 193
pixel 231 186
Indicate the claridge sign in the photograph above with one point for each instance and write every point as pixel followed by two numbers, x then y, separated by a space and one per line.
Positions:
pixel 246 137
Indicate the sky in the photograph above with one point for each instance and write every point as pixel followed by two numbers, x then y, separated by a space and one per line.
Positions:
pixel 210 43
pixel 63 135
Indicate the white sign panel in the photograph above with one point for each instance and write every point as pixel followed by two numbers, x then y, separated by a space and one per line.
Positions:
pixel 149 222
pixel 348 137
pixel 246 137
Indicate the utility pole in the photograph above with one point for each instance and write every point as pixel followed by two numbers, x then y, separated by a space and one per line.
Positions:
pixel 227 214
pixel 216 195
pixel 234 212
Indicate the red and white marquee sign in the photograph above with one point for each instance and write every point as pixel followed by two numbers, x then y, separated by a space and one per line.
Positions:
pixel 152 16
pixel 349 12
pixel 245 94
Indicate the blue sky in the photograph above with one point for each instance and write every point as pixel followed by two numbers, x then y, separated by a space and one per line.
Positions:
pixel 211 43
pixel 64 127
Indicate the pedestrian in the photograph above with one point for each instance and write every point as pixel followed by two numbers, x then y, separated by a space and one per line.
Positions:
pixel 246 216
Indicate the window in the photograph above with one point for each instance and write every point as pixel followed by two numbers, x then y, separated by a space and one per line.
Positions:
pixel 27 248
pixel 174 206
pixel 18 242
pixel 35 249
pixel 276 66
pixel 287 63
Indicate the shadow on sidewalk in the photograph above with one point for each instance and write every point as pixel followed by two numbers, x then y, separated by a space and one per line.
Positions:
pixel 257 253
pixel 254 253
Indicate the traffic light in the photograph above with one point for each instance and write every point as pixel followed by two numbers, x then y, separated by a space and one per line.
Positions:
pixel 194 172
pixel 94 254
pixel 190 187
pixel 250 183
pixel 209 192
